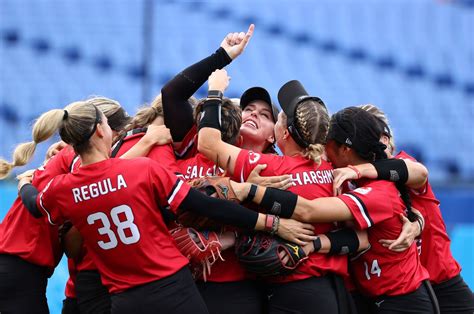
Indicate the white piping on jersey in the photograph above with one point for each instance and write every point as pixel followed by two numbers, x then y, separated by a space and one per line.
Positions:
pixel 116 143
pixel 41 203
pixel 185 149
pixel 361 208
pixel 175 191
pixel 76 159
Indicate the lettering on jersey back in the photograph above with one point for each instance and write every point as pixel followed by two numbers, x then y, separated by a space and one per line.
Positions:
pixel 312 177
pixel 96 189
pixel 193 172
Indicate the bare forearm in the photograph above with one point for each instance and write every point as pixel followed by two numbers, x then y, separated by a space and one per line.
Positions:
pixel 417 174
pixel 207 138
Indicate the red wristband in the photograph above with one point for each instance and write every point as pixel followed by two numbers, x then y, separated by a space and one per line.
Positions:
pixel 359 175
pixel 269 220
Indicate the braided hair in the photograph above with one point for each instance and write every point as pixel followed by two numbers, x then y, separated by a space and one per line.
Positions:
pixel 312 123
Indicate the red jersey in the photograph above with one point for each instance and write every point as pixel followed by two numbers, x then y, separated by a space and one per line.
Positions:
pixel 27 237
pixel 230 269
pixel 164 154
pixel 197 167
pixel 436 254
pixel 188 146
pixel 116 210
pixel 376 206
pixel 309 181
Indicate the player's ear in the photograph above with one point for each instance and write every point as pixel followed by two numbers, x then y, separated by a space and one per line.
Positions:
pixel 271 139
pixel 239 141
pixel 385 140
pixel 100 130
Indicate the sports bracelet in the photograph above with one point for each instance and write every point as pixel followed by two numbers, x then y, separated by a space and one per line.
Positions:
pixel 359 175
pixel 269 221
pixel 251 195
pixel 275 225
pixel 213 94
pixel 317 244
pixel 420 224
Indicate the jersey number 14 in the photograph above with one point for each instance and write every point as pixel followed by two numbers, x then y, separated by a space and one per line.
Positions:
pixel 374 269
pixel 127 224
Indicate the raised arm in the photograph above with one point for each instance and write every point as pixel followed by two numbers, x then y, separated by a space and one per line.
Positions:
pixel 175 94
pixel 210 142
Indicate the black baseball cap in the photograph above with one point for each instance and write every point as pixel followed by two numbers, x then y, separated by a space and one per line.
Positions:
pixel 359 130
pixel 290 95
pixel 258 93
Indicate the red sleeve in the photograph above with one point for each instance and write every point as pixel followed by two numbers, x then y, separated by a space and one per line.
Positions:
pixel 164 154
pixel 169 189
pixel 370 204
pixel 46 202
pixel 59 164
pixel 247 161
pixel 404 155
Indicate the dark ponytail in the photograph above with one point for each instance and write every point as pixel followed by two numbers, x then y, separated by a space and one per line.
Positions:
pixel 405 196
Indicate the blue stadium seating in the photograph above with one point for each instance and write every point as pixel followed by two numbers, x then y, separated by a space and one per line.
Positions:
pixel 413 59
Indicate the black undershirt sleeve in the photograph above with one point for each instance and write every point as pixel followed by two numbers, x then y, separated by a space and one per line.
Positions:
pixel 28 194
pixel 178 113
pixel 220 210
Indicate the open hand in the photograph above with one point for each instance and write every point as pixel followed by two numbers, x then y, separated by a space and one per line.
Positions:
pixel 158 134
pixel 295 231
pixel 341 175
pixel 410 230
pixel 279 182
pixel 54 149
pixel 25 178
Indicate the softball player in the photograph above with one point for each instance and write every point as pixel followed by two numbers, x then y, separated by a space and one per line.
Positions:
pixel 453 294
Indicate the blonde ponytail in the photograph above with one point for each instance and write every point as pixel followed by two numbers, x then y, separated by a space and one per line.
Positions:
pixel 314 152
pixel 45 127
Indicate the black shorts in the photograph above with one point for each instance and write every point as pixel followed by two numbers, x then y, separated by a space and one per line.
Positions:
pixel 236 297
pixel 419 302
pixel 454 296
pixel 92 296
pixel 175 294
pixel 22 286
pixel 70 306
pixel 315 294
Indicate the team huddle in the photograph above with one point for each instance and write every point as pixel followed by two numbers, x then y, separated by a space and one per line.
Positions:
pixel 187 207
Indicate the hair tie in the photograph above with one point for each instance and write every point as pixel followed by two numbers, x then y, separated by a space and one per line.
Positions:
pixel 66 114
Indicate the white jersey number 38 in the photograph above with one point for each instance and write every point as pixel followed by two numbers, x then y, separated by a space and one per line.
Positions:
pixel 134 234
